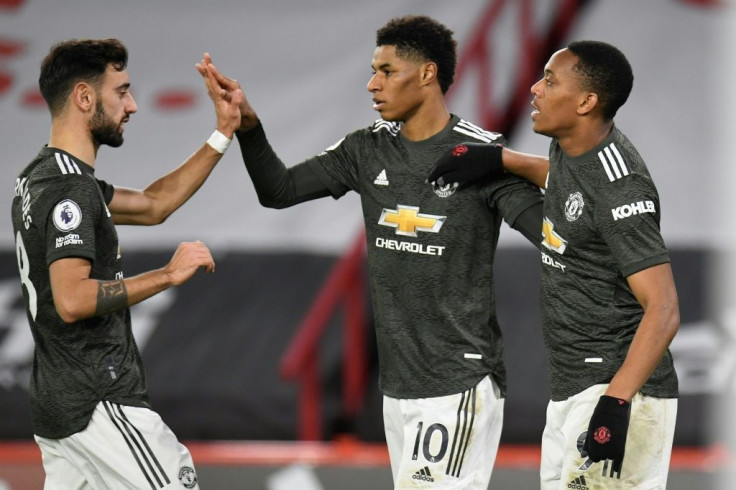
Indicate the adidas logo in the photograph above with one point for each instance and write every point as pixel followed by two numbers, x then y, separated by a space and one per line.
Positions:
pixel 381 179
pixel 578 484
pixel 424 473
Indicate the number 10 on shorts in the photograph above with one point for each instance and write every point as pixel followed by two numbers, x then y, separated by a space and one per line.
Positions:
pixel 424 439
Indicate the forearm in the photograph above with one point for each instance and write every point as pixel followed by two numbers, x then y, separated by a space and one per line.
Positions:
pixel 656 330
pixel 119 294
pixel 175 188
pixel 154 204
pixel 90 297
pixel 276 185
pixel 533 168
pixel 529 223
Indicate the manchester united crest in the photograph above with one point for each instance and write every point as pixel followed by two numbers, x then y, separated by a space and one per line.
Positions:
pixel 188 477
pixel 574 206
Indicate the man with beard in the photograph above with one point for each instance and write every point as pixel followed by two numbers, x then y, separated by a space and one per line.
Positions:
pixel 89 404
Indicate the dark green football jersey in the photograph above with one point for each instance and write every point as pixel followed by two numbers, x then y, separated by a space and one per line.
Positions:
pixel 59 210
pixel 430 256
pixel 601 225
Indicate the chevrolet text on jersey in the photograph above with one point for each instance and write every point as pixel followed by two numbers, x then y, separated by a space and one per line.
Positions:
pixel 415 248
pixel 547 260
pixel 633 209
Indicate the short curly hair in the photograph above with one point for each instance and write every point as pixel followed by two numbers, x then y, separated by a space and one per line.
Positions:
pixel 75 60
pixel 603 69
pixel 421 38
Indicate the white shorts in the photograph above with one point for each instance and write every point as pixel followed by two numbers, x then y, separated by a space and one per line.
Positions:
pixel 123 447
pixel 648 445
pixel 446 442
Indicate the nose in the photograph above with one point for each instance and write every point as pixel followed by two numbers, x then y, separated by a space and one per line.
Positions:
pixel 372 84
pixel 536 88
pixel 132 107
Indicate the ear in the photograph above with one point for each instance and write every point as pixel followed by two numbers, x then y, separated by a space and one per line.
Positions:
pixel 427 73
pixel 84 96
pixel 589 102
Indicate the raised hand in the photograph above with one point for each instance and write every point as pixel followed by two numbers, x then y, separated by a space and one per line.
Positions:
pixel 227 89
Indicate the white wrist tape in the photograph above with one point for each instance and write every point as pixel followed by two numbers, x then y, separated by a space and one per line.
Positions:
pixel 219 141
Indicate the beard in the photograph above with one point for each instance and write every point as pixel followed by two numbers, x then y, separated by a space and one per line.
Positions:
pixel 104 130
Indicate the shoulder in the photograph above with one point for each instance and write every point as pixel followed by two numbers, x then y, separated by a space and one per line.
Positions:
pixel 57 162
pixel 615 164
pixel 467 128
pixel 57 169
pixel 624 180
pixel 617 161
pixel 57 172
pixel 379 130
pixel 50 169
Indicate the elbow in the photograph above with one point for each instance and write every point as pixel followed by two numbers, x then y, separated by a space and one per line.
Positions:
pixel 140 219
pixel 675 320
pixel 671 319
pixel 156 212
pixel 68 311
pixel 156 217
pixel 157 220
pixel 269 202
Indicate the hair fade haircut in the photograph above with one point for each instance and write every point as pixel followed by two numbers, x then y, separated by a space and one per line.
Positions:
pixel 77 60
pixel 603 69
pixel 421 38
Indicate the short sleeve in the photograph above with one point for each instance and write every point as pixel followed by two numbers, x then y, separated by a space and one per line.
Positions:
pixel 70 215
pixel 627 216
pixel 107 190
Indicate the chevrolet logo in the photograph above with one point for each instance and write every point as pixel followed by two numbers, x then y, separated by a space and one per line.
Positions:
pixel 551 239
pixel 408 220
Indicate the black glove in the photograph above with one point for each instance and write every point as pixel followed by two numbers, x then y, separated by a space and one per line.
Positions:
pixel 607 430
pixel 467 163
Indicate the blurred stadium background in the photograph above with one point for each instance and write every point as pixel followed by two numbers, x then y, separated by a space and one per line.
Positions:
pixel 267 368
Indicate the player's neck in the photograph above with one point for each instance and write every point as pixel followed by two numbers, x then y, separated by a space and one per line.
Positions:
pixel 429 119
pixel 584 138
pixel 73 137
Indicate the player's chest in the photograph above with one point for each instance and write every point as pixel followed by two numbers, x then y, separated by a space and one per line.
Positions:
pixel 396 198
pixel 569 213
pixel 107 244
